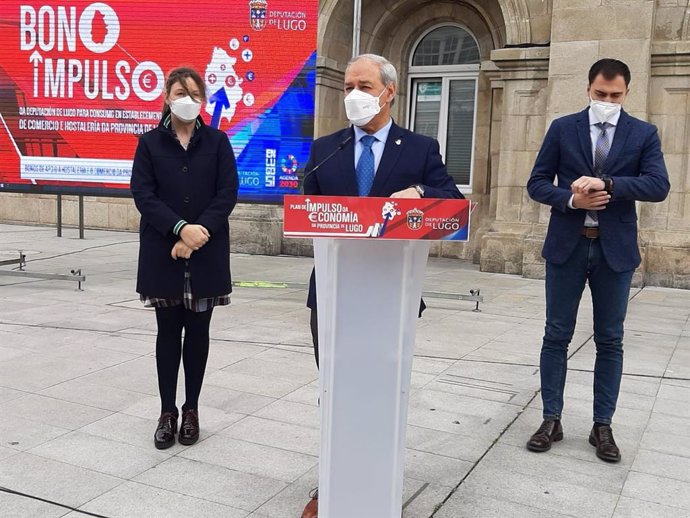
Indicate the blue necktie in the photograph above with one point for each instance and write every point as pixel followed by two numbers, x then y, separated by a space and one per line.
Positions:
pixel 366 166
pixel 601 152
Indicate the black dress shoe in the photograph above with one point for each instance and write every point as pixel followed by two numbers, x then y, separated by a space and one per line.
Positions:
pixel 165 431
pixel 549 431
pixel 602 438
pixel 189 428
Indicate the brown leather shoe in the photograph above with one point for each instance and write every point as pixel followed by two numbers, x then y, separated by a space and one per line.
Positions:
pixel 164 436
pixel 549 431
pixel 189 428
pixel 311 510
pixel 601 437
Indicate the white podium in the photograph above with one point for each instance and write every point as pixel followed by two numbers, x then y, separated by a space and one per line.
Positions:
pixel 370 256
pixel 368 293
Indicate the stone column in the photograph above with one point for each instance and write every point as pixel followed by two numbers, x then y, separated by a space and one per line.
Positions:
pixel 584 31
pixel 523 78
pixel 330 110
pixel 665 227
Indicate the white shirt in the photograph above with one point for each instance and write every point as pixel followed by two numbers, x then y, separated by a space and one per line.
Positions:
pixel 594 133
pixel 377 147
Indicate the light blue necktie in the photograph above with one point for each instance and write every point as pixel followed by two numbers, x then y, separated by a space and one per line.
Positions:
pixel 366 166
pixel 601 152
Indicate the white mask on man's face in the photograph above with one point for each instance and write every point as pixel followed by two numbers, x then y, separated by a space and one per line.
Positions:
pixel 185 108
pixel 602 110
pixel 362 107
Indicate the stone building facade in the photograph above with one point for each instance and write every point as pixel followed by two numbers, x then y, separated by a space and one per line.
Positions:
pixel 487 77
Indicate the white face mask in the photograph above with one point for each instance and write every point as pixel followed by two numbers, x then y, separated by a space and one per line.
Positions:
pixel 361 107
pixel 602 110
pixel 186 109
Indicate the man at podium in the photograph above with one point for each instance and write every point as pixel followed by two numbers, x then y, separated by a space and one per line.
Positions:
pixel 373 157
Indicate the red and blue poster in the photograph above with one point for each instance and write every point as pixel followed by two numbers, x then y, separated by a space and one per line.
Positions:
pixel 81 80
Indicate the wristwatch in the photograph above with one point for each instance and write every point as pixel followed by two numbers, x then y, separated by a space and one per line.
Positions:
pixel 419 189
pixel 608 184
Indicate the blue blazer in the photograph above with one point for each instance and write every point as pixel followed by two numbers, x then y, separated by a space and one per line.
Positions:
pixel 198 185
pixel 635 164
pixel 408 159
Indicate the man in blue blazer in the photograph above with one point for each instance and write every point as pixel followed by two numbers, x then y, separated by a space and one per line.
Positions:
pixel 373 157
pixel 604 161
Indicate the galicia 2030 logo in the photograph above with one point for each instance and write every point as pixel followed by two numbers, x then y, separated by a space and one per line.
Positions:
pixel 289 164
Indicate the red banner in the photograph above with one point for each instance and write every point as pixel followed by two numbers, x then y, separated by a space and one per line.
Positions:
pixel 81 80
pixel 380 218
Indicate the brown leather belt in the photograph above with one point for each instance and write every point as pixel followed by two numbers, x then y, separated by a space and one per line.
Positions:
pixel 590 232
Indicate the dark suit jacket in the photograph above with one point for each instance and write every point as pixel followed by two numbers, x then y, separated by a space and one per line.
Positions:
pixel 636 165
pixel 408 159
pixel 198 185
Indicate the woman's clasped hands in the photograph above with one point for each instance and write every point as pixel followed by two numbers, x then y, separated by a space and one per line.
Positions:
pixel 193 237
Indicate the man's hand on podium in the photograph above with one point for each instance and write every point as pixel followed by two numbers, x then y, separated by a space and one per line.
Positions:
pixel 410 192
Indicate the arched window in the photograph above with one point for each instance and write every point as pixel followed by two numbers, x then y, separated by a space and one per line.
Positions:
pixel 444 67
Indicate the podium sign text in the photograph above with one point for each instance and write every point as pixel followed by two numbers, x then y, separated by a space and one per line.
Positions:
pixel 380 218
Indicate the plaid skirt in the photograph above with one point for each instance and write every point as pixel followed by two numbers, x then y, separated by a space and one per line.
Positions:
pixel 190 302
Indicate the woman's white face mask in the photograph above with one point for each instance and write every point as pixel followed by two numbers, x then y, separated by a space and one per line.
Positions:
pixel 362 107
pixel 602 110
pixel 185 108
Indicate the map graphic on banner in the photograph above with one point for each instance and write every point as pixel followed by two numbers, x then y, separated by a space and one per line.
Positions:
pixel 81 80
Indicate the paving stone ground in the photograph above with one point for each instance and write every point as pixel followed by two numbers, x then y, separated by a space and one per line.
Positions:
pixel 78 398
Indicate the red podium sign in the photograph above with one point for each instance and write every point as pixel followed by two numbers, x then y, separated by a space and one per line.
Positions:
pixel 380 218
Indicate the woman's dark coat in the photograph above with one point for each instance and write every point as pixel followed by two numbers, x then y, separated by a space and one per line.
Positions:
pixel 198 185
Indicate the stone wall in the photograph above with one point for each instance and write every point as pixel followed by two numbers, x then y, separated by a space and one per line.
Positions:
pixel 104 213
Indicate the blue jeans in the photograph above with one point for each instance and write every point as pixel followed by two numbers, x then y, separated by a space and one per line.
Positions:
pixel 610 290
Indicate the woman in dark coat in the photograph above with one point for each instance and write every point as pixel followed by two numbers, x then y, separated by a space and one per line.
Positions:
pixel 184 183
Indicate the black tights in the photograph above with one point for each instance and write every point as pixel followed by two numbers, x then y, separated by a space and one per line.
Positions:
pixel 169 350
pixel 314 326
